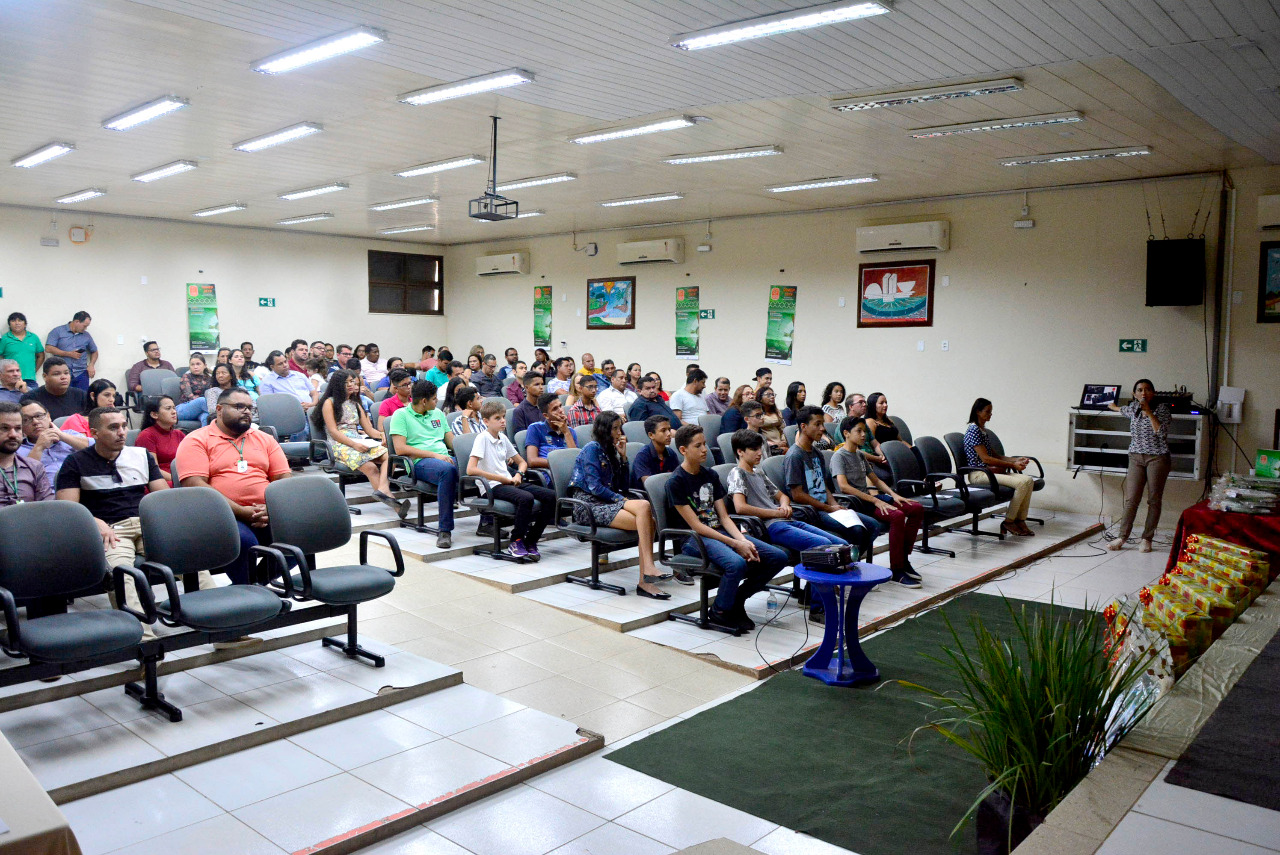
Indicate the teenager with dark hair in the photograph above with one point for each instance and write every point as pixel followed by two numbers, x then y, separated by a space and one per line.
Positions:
pixel 352 439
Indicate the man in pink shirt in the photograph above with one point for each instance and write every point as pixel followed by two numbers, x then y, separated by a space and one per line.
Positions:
pixel 401 387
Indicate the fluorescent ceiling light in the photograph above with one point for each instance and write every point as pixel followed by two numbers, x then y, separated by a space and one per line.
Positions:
pixel 175 168
pixel 319 50
pixel 519 216
pixel 82 196
pixel 305 218
pixel 284 135
pixel 634 131
pixel 642 200
pixel 818 183
pixel 314 191
pixel 783 22
pixel 403 203
pixel 536 182
pixel 42 154
pixel 399 230
pixel 220 209
pixel 151 110
pixel 470 86
pixel 441 165
pixel 1068 156
pixel 923 96
pixel 996 125
pixel 726 154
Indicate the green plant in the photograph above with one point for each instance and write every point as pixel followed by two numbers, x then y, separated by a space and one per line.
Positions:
pixel 1038 710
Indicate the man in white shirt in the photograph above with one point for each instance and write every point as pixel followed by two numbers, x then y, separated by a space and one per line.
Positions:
pixel 561 384
pixel 688 403
pixel 616 396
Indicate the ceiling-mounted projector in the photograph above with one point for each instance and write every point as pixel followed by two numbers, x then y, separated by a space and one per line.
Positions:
pixel 492 206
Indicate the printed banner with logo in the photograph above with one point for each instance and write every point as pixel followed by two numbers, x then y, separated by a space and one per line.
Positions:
pixel 687 322
pixel 202 317
pixel 779 334
pixel 542 316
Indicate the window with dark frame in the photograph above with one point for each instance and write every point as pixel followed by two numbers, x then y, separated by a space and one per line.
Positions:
pixel 403 283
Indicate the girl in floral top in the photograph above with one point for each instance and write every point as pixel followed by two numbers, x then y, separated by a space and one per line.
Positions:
pixel 1149 461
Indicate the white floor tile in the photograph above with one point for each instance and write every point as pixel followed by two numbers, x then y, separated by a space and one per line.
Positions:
pixel 430 772
pixel 202 724
pixel 1211 813
pixel 221 835
pixel 141 811
pixel 419 841
pixel 614 840
pixel 521 736
pixel 309 695
pixel 601 786
pixel 181 690
pixel 1139 833
pixel 784 841
pixel 454 709
pixel 51 720
pixel 251 672
pixel 400 671
pixel 363 739
pixel 255 774
pixel 681 819
pixel 87 755
pixel 519 821
pixel 319 812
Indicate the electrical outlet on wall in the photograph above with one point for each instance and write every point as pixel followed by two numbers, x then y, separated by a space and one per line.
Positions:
pixel 946 345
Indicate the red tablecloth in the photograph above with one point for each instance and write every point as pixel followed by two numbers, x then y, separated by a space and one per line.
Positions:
pixel 1252 530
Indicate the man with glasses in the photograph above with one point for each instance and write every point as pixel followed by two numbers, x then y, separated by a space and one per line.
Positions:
pixel 401 389
pixel 584 412
pixel 152 360
pixel 46 444
pixel 487 382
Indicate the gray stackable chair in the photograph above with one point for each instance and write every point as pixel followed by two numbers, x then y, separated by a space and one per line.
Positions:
pixel 285 414
pixel 380 394
pixel 187 531
pixel 908 478
pixel 937 461
pixel 582 434
pixel 172 386
pixel 773 468
pixel 308 516
pixel 904 432
pixel 131 437
pixel 323 455
pixel 53 549
pixel 483 501
pixel 725 443
pixel 603 539
pixel 543 475
pixel 710 425
pixel 702 567
pixel 634 432
pixel 997 447
pixel 152 381
pixel 789 433
pixel 501 399
pixel 757 528
pixel 401 475
pixel 833 431
pixel 59 422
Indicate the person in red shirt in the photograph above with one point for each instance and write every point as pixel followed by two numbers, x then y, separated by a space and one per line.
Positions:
pixel 401 386
pixel 160 434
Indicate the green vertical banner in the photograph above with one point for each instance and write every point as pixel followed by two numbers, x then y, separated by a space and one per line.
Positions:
pixel 542 316
pixel 687 323
pixel 202 317
pixel 779 335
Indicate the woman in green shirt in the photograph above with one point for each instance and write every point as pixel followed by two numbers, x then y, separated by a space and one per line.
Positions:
pixel 24 347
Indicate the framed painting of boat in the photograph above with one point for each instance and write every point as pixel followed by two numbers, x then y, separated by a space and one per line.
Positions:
pixel 896 294
pixel 611 303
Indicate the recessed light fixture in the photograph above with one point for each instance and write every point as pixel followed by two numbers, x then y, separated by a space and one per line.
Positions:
pixel 726 154
pixel 923 96
pixel 220 209
pixel 82 196
pixel 305 218
pixel 819 183
pixel 782 22
pixel 642 200
pixel 148 111
pixel 43 154
pixel 635 130
pixel 536 182
pixel 314 191
pixel 403 203
pixel 399 230
pixel 319 50
pixel 470 86
pixel 1069 156
pixel 284 135
pixel 996 125
pixel 440 165
pixel 175 168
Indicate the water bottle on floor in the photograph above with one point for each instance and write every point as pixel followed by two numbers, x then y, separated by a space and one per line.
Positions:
pixel 772 608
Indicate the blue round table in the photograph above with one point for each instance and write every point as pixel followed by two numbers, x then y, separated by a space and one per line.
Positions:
pixel 839 660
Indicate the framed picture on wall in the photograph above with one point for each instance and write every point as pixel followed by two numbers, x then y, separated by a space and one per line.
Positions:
pixel 896 294
pixel 1269 283
pixel 611 303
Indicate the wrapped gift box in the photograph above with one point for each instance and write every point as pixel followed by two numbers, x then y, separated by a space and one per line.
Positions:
pixel 1255 580
pixel 1221 610
pixel 1240 594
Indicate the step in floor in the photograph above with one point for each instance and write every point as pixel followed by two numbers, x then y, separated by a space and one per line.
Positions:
pixel 422 545
pixel 561 557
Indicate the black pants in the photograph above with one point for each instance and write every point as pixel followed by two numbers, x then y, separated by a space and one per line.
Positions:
pixel 528 527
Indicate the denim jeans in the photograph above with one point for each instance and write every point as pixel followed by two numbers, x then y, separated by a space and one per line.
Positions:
pixel 80 381
pixel 444 475
pixel 192 410
pixel 753 575
pixel 862 537
pixel 799 536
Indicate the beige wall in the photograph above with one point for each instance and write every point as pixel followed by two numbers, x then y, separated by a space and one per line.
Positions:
pixel 319 284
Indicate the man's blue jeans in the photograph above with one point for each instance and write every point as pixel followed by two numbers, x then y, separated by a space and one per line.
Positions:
pixel 863 538
pixel 753 575
pixel 192 410
pixel 799 536
pixel 444 475
pixel 80 381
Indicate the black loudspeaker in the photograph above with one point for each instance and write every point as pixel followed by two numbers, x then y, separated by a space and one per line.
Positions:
pixel 1175 272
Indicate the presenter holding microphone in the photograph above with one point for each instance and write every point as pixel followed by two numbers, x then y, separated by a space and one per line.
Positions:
pixel 1149 461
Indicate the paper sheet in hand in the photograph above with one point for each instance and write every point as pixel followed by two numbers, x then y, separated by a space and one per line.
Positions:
pixel 847 518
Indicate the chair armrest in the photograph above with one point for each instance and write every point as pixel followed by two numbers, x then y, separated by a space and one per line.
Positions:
pixel 564 502
pixel 145 596
pixel 938 477
pixel 482 487
pixel 1039 468
pixel 406 463
pixel 282 566
pixel 929 488
pixel 757 525
pixel 671 534
pixel 319 452
pixel 170 586
pixel 844 501
pixel 303 570
pixel 637 494
pixel 133 400
pixel 13 636
pixel 391 541
pixel 991 478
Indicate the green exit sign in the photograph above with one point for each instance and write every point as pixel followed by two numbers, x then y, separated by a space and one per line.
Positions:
pixel 707 314
pixel 1133 345
pixel 267 302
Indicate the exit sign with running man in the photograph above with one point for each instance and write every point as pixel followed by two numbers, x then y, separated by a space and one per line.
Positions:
pixel 1133 345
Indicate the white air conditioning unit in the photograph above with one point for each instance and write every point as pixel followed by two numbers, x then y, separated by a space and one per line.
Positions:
pixel 507 262
pixel 930 237
pixel 1269 212
pixel 666 251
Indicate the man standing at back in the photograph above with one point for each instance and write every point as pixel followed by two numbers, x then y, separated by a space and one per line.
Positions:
pixel 151 360
pixel 688 402
pixel 73 343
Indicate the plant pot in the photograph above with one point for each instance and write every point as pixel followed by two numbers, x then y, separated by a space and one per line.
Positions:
pixel 996 814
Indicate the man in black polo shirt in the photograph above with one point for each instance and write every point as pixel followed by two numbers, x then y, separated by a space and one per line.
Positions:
pixel 57 395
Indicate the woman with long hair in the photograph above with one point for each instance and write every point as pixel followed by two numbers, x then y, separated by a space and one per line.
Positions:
pixel 160 434
pixel 796 396
pixel 634 375
pixel 732 418
pixel 224 377
pixel 224 354
pixel 359 352
pixel 598 488
pixel 880 428
pixel 244 377
pixel 450 403
pixel 352 439
pixel 662 393
pixel 771 426
pixel 833 406
pixel 102 393
pixel 194 384
pixel 541 361
pixel 1007 470
pixel 1149 462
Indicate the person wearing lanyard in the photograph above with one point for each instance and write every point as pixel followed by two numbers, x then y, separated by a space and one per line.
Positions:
pixel 1149 462
pixel 24 479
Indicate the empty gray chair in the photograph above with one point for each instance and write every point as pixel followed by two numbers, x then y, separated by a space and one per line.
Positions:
pixel 309 516
pixel 790 432
pixel 908 478
pixel 501 399
pixel 710 425
pixel 285 414
pixel 904 432
pixel 582 434
pixel 603 539
pixel 60 421
pixel 152 382
pixel 997 448
pixel 725 442
pixel 518 441
pixel 474 493
pixel 380 394
pixel 976 498
pixel 131 437
pixel 833 431
pixel 634 432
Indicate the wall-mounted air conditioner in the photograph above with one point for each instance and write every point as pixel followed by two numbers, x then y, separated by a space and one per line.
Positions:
pixel 900 237
pixel 507 262
pixel 1269 212
pixel 666 251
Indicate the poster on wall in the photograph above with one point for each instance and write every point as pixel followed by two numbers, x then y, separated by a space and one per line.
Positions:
pixel 202 317
pixel 687 322
pixel 542 316
pixel 611 304
pixel 896 294
pixel 780 333
pixel 1269 283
